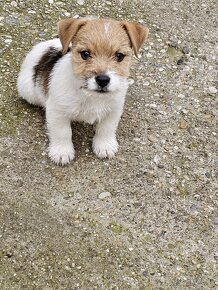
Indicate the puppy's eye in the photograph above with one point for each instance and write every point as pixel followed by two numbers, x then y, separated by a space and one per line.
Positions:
pixel 85 54
pixel 119 56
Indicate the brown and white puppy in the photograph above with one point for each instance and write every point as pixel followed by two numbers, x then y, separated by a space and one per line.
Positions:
pixel 82 76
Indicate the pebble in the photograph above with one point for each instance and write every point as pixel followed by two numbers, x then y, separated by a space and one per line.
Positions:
pixel 104 194
pixel 212 90
pixel 183 124
pixel 131 81
pixel 153 106
pixel 186 50
pixel 80 2
pixel 156 159
pixel 215 221
pixel 67 14
pixel 152 139
pixel 145 273
pixel 8 40
pixel 194 208
pixel 207 174
pixel 50 1
pixel 180 61
pixel 42 34
pixel 14 3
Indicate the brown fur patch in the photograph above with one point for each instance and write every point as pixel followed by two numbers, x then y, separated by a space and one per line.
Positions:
pixel 43 69
pixel 102 38
pixel 67 29
pixel 137 34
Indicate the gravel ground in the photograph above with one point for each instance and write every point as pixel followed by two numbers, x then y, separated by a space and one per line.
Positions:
pixel 147 219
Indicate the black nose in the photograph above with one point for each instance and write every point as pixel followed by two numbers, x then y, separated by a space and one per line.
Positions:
pixel 102 80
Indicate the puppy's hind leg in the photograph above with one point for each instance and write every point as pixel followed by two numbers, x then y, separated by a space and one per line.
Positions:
pixel 28 90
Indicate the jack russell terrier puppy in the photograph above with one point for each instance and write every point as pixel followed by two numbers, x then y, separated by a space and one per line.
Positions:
pixel 82 76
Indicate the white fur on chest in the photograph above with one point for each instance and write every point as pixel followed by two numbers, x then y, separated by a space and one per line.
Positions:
pixel 80 105
pixel 89 109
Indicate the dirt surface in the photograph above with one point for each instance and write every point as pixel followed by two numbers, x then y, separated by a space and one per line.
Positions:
pixel 148 219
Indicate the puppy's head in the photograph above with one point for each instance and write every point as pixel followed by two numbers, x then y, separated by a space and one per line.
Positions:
pixel 101 50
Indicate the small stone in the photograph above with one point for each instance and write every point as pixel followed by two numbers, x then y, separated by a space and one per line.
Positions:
pixel 50 1
pixel 14 3
pixel 207 174
pixel 185 111
pixel 145 273
pixel 131 81
pixel 104 194
pixel 80 2
pixel 183 124
pixel 212 90
pixel 211 58
pixel 8 40
pixel 9 254
pixel 173 42
pixel 41 34
pixel 186 50
pixel 152 139
pixel 149 55
pixel 67 14
pixel 156 159
pixel 194 208
pixel 180 61
pixel 215 221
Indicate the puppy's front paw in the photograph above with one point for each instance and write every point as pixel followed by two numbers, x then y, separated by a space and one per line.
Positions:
pixel 61 154
pixel 105 148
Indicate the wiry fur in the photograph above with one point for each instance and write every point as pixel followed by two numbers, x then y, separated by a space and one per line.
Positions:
pixel 65 84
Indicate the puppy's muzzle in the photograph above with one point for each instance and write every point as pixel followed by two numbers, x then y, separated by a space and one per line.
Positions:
pixel 102 81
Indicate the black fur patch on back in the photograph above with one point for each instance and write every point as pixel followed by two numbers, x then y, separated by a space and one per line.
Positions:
pixel 43 69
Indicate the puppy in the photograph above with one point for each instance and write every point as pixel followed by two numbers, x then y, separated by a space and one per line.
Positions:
pixel 82 76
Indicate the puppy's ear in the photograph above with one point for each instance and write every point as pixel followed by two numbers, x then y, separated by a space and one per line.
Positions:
pixel 137 34
pixel 67 29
